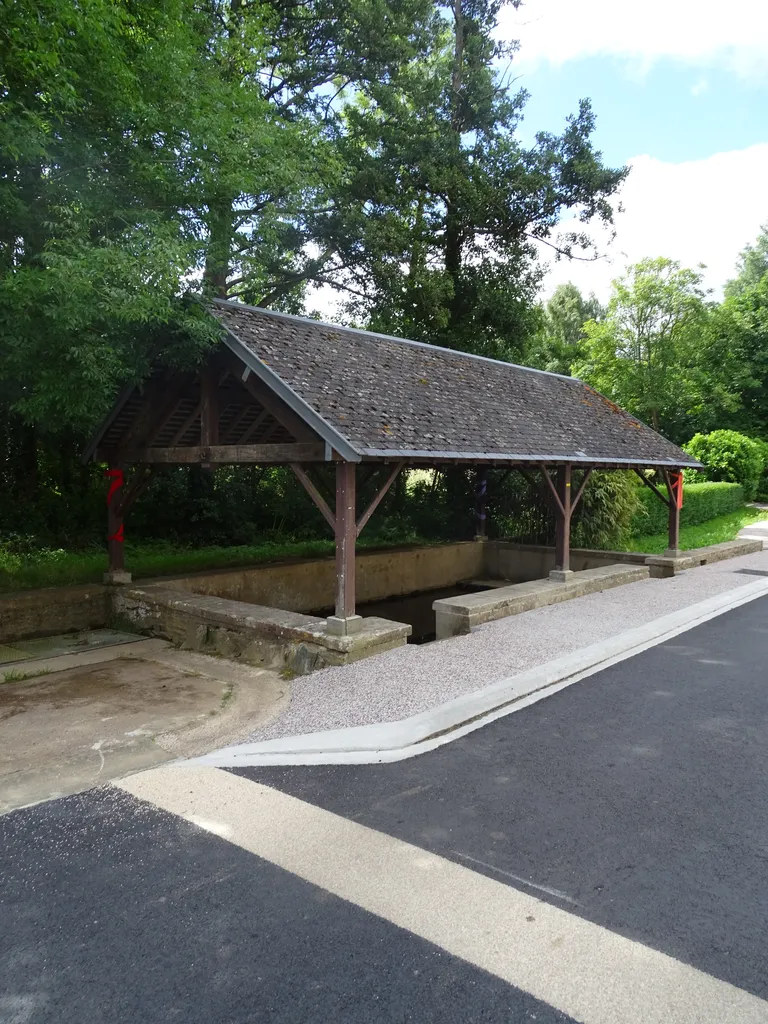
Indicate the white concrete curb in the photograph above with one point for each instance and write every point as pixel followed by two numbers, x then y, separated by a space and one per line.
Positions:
pixel 396 741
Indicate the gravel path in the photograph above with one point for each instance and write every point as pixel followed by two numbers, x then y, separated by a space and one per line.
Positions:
pixel 415 678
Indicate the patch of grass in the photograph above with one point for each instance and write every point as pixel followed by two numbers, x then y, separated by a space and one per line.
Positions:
pixel 14 675
pixel 62 568
pixel 716 531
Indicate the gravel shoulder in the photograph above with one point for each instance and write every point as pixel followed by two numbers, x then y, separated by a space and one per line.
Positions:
pixel 413 679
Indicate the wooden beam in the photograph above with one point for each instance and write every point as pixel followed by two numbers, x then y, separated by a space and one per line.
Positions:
pixel 553 490
pixel 582 485
pixel 653 487
pixel 229 453
pixel 674 482
pixel 209 406
pixel 481 503
pixel 209 409
pixel 294 424
pixel 237 422
pixel 345 540
pixel 115 546
pixel 254 427
pixel 563 520
pixel 315 495
pixel 378 497
pixel 189 420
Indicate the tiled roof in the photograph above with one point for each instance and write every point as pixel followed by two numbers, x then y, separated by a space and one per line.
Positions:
pixel 387 396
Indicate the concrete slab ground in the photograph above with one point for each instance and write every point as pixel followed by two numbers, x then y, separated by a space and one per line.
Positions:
pixel 415 679
pixel 72 721
pixel 66 643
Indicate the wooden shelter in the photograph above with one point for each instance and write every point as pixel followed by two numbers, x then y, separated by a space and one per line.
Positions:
pixel 287 390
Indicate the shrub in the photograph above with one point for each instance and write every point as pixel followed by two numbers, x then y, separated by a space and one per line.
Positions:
pixel 608 508
pixel 730 456
pixel 701 502
pixel 762 487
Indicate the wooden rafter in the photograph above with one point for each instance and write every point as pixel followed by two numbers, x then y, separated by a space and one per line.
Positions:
pixel 269 400
pixel 377 498
pixel 653 487
pixel 315 495
pixel 228 453
pixel 188 421
pixel 582 485
pixel 553 490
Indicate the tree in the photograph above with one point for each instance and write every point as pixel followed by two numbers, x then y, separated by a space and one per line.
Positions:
pixel 559 342
pixel 442 203
pixel 736 358
pixel 752 266
pixel 646 355
pixel 93 248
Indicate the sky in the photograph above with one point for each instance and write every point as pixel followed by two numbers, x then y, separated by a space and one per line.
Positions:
pixel 680 91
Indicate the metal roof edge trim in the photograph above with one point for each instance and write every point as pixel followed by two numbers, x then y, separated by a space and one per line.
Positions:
pixel 391 453
pixel 284 391
pixel 106 423
pixel 228 303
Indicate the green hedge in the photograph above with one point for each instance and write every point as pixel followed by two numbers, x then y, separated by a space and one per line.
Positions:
pixel 701 502
pixel 730 456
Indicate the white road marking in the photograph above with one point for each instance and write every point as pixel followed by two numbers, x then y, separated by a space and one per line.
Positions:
pixel 582 969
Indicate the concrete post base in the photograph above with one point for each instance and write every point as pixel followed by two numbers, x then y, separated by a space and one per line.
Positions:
pixel 337 626
pixel 117 579
pixel 672 553
pixel 561 575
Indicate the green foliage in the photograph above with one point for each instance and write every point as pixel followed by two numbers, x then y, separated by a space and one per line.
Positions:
pixel 50 567
pixel 644 355
pixel 607 510
pixel 728 455
pixel 752 266
pixel 441 249
pixel 713 531
pixel 560 341
pixel 701 502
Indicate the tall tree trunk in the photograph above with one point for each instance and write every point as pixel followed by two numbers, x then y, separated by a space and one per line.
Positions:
pixel 218 255
pixel 453 225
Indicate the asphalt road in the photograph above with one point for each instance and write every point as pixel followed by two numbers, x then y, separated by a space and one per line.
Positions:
pixel 633 804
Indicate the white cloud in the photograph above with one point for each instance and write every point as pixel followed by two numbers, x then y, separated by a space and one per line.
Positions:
pixel 701 211
pixel 697 32
pixel 699 87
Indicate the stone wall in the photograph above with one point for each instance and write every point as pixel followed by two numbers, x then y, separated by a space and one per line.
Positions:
pixel 520 563
pixel 31 613
pixel 308 585
pixel 259 635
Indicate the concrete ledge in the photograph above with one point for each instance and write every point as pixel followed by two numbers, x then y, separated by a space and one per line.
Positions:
pixel 457 615
pixel 256 634
pixel 664 566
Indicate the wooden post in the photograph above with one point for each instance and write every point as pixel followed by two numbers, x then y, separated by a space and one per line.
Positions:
pixel 563 521
pixel 481 490
pixel 115 547
pixel 675 491
pixel 346 534
pixel 209 410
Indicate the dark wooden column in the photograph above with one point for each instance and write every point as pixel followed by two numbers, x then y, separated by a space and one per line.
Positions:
pixel 209 410
pixel 481 491
pixel 563 520
pixel 115 546
pixel 346 534
pixel 675 491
